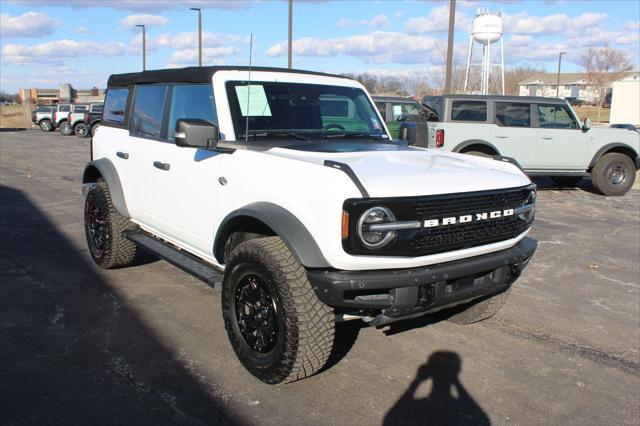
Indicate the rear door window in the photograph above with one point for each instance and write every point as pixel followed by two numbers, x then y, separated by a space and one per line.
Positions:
pixel 147 110
pixel 97 108
pixel 114 105
pixel 513 114
pixel 64 108
pixel 469 111
pixel 556 117
pixel 80 108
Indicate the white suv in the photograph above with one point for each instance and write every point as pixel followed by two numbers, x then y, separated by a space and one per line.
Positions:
pixel 257 182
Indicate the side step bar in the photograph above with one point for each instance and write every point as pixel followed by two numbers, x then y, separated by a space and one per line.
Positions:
pixel 185 261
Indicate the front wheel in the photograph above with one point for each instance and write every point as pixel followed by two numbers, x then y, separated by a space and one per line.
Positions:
pixel 66 129
pixel 46 125
pixel 613 174
pixel 479 154
pixel 277 327
pixel 81 130
pixel 482 310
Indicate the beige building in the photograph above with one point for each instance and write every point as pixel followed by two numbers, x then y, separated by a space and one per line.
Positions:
pixel 65 93
pixel 625 100
pixel 576 85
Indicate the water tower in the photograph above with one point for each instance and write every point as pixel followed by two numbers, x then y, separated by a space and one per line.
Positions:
pixel 486 30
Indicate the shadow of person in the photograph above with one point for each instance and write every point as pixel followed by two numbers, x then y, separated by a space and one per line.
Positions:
pixel 448 403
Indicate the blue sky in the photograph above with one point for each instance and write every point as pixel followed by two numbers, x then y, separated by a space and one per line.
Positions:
pixel 44 43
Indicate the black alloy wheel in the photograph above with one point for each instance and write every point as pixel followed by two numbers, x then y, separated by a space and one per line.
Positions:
pixel 256 313
pixel 97 228
pixel 81 130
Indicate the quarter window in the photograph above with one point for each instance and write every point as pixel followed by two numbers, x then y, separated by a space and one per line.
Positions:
pixel 114 105
pixel 193 101
pixel 147 110
pixel 468 111
pixel 513 114
pixel 555 117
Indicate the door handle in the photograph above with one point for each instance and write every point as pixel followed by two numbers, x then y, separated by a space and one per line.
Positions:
pixel 547 138
pixel 160 165
pixel 502 137
pixel 123 155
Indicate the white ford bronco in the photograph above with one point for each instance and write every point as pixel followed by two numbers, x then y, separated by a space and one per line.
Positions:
pixel 284 190
pixel 543 135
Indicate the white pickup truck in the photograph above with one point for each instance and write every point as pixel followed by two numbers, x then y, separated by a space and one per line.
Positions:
pixel 543 135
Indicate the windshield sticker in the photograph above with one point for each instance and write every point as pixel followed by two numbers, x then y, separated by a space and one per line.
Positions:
pixel 254 100
pixel 375 123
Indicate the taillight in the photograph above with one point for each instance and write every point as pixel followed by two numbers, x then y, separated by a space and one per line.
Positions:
pixel 69 117
pixel 439 138
pixel 86 117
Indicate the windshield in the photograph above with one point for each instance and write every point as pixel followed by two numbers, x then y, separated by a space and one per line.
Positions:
pixel 302 111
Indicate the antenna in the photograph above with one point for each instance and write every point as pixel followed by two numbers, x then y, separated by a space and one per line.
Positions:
pixel 246 126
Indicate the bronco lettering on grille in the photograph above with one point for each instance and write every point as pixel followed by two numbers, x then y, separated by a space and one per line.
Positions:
pixel 430 223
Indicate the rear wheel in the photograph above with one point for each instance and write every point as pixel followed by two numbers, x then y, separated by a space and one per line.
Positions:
pixel 277 327
pixel 81 130
pixel 613 174
pixel 104 228
pixel 566 181
pixel 46 125
pixel 479 154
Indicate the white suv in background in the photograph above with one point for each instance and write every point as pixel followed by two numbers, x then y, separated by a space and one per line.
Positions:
pixel 254 182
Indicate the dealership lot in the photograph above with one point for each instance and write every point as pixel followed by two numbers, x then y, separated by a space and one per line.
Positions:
pixel 146 344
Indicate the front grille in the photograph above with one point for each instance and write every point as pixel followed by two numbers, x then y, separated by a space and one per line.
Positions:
pixel 442 238
pixel 465 235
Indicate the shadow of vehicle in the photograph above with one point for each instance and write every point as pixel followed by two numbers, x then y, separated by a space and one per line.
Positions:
pixel 448 402
pixel 547 184
pixel 12 129
pixel 72 350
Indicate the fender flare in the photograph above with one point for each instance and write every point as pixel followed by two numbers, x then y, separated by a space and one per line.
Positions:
pixel 285 225
pixel 609 147
pixel 470 142
pixel 105 169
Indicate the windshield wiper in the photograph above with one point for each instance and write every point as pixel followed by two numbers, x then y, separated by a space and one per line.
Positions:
pixel 275 133
pixel 349 135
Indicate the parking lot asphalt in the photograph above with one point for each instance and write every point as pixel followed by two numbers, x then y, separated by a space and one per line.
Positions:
pixel 147 345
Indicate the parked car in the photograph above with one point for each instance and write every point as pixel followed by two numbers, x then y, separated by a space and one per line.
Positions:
pixel 267 195
pixel 396 110
pixel 61 115
pixel 542 134
pixel 574 101
pixel 74 116
pixel 42 116
pixel 90 121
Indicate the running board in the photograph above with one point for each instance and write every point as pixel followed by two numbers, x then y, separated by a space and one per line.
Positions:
pixel 181 259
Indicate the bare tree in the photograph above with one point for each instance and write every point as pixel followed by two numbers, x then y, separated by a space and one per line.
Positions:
pixel 603 66
pixel 513 76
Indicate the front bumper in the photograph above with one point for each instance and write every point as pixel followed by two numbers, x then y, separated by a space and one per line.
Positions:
pixel 405 292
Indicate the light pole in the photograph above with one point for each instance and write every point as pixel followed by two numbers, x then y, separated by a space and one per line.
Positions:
pixel 289 48
pixel 558 79
pixel 199 34
pixel 449 71
pixel 144 47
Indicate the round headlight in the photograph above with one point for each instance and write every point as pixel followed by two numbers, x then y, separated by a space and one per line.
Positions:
pixel 370 236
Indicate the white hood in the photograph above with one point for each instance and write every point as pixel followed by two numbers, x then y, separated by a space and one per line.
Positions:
pixel 418 171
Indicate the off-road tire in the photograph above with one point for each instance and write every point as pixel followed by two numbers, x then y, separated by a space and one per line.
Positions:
pixel 482 310
pixel 81 130
pixel 46 125
pixel 306 326
pixel 479 154
pixel 117 251
pixel 566 181
pixel 601 174
pixel 66 129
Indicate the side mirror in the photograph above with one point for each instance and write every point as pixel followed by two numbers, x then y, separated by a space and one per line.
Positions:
pixel 587 124
pixel 196 133
pixel 415 133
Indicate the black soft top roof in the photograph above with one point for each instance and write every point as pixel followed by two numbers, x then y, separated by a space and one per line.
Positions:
pixel 192 75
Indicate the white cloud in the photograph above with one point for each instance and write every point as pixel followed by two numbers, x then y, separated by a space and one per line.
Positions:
pixel 379 21
pixel 55 51
pixel 82 30
pixel 557 23
pixel 436 20
pixel 210 56
pixel 398 14
pixel 144 19
pixel 144 5
pixel 29 25
pixel 377 47
pixel 190 40
pixel 344 23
